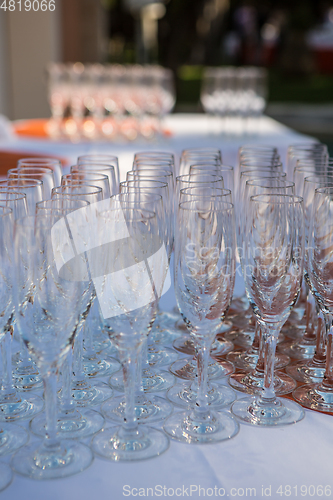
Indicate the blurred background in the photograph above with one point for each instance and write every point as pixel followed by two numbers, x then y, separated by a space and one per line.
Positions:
pixel 293 39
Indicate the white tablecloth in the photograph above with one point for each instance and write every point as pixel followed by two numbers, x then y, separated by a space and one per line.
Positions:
pixel 258 461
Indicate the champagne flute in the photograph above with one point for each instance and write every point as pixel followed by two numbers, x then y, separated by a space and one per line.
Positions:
pixel 318 396
pixel 47 297
pixel 312 370
pixel 71 422
pixel 96 159
pixel 273 269
pixel 32 188
pixel 25 374
pixel 12 436
pixel 148 407
pixel 204 280
pixel 44 174
pixel 53 163
pixel 129 303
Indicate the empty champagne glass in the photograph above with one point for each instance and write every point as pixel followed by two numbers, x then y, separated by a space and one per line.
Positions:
pixel 148 407
pixel 100 168
pixel 47 297
pixel 71 422
pixel 44 174
pixel 204 274
pixel 25 374
pixel 95 159
pixel 312 370
pixel 12 436
pixel 247 359
pixel 304 152
pixel 53 163
pixel 90 178
pixel 273 269
pixel 32 188
pixel 15 405
pixel 318 265
pixel 131 278
pixel 87 362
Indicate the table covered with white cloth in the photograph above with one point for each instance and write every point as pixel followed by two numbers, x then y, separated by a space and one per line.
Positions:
pixel 292 461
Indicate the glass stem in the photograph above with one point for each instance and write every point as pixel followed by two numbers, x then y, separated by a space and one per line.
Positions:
pixel 256 339
pixel 6 352
pixel 328 377
pixel 261 354
pixel 203 353
pixel 129 367
pixel 310 334
pixel 138 379
pixel 66 400
pixel 320 353
pixel 270 339
pixel 88 333
pixel 79 374
pixel 24 359
pixel 51 440
pixel 144 356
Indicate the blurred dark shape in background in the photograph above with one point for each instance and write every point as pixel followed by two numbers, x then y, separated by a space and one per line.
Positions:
pixel 293 37
pixel 213 32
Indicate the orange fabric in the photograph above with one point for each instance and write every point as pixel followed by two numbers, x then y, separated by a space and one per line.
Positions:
pixel 32 128
pixel 9 159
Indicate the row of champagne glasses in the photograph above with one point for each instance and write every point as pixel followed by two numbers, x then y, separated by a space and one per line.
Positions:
pixel 316 187
pixel 31 462
pixel 95 101
pixel 266 165
pixel 234 95
pixel 59 194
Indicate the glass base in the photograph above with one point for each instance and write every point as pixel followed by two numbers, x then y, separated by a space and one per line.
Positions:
pixel 147 409
pixel 37 462
pixel 168 318
pixel 253 411
pixel 186 369
pixel 294 330
pixel 211 428
pixel 315 397
pixel 25 375
pixel 252 383
pixel 12 438
pixel 6 476
pixel 27 382
pixel 185 395
pixel 71 425
pixel 160 357
pixel 111 351
pixel 297 315
pixel 306 371
pixel 100 345
pixel 100 367
pixel 238 306
pixel 165 330
pixel 152 381
pixel 112 443
pixel 298 348
pixel 242 337
pixel 20 408
pixel 185 345
pixel 247 360
pixel 90 392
